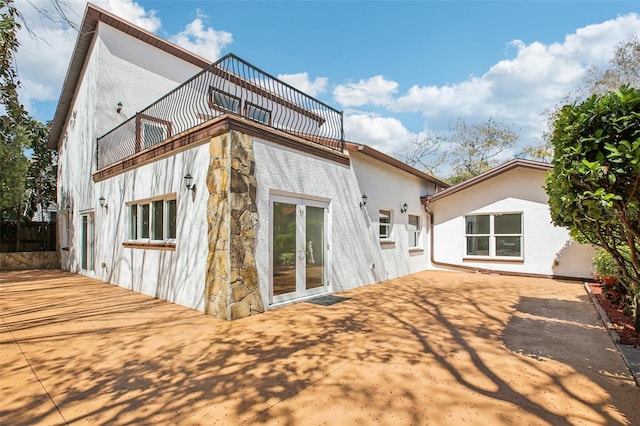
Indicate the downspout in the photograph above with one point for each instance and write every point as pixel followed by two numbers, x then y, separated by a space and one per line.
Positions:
pixel 477 270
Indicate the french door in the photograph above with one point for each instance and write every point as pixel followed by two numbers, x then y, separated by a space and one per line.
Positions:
pixel 298 248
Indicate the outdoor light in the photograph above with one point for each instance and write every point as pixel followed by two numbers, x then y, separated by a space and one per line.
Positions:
pixel 68 208
pixel 119 107
pixel 103 202
pixel 404 208
pixel 364 200
pixel 188 182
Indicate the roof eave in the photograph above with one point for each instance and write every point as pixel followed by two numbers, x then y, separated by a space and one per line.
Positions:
pixel 394 162
pixel 503 168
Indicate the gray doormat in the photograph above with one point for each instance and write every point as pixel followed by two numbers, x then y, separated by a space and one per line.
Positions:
pixel 327 300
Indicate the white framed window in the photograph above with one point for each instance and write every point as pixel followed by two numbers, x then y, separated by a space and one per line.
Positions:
pixel 87 241
pixel 153 220
pixel 223 101
pixel 257 113
pixel 385 222
pixel 494 235
pixel 413 231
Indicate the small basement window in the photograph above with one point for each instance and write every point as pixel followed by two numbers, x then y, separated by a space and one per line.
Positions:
pixel 223 101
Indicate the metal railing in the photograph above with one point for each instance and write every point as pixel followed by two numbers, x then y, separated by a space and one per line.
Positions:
pixel 230 85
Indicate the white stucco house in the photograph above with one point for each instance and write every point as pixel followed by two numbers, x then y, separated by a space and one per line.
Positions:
pixel 219 187
pixel 499 221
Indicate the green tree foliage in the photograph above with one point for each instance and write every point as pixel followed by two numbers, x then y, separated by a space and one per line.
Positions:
pixel 12 158
pixel 43 168
pixel 594 186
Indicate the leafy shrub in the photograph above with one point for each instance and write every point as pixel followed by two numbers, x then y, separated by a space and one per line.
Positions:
pixel 604 265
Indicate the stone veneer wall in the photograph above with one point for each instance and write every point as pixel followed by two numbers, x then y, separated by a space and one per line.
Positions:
pixel 29 260
pixel 232 289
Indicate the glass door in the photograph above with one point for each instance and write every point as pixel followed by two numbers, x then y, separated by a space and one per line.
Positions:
pixel 86 241
pixel 298 248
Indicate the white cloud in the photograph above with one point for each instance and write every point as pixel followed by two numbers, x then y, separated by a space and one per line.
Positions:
pixel 302 82
pixel 517 91
pixel 45 50
pixel 202 41
pixel 375 91
pixel 386 134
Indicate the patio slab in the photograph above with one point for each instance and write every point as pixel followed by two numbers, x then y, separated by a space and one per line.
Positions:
pixel 431 348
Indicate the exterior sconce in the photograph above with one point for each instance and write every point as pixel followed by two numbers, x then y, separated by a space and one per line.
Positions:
pixel 364 200
pixel 103 202
pixel 68 209
pixel 404 208
pixel 119 107
pixel 188 182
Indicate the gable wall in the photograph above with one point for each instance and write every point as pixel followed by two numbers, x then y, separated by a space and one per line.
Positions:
pixel 547 249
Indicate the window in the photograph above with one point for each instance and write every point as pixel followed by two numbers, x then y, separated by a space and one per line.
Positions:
pixel 223 101
pixel 494 235
pixel 153 220
pixel 86 242
pixel 413 230
pixel 256 113
pixel 385 224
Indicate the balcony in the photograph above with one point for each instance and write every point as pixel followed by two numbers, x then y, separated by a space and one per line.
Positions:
pixel 228 86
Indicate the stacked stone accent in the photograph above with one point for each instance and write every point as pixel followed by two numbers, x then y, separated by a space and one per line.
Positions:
pixel 232 287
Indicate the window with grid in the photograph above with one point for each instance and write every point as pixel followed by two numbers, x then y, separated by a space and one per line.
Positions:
pixel 223 101
pixel 413 231
pixel 494 235
pixel 153 220
pixel 385 224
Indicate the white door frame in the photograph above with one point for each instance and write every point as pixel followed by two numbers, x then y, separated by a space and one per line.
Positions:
pixel 301 204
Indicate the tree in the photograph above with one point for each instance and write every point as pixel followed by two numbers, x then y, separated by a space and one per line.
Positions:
pixel 43 167
pixel 426 154
pixel 12 158
pixel 594 186
pixel 475 149
pixel 623 69
pixel 465 152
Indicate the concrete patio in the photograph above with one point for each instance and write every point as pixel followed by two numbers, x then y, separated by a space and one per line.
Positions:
pixel 432 348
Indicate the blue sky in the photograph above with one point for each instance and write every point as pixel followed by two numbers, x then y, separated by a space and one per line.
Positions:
pixel 398 69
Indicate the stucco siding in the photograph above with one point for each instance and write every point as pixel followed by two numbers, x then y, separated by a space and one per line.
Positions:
pixel 175 275
pixel 546 249
pixel 114 69
pixel 125 62
pixel 389 188
pixel 283 171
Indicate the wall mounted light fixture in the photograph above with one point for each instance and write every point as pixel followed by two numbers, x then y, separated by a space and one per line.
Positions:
pixel 364 200
pixel 188 182
pixel 68 209
pixel 103 202
pixel 119 107
pixel 404 208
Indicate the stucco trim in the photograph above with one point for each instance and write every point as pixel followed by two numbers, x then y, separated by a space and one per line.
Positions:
pixel 216 127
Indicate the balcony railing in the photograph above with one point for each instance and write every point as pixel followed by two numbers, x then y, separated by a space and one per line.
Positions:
pixel 229 85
